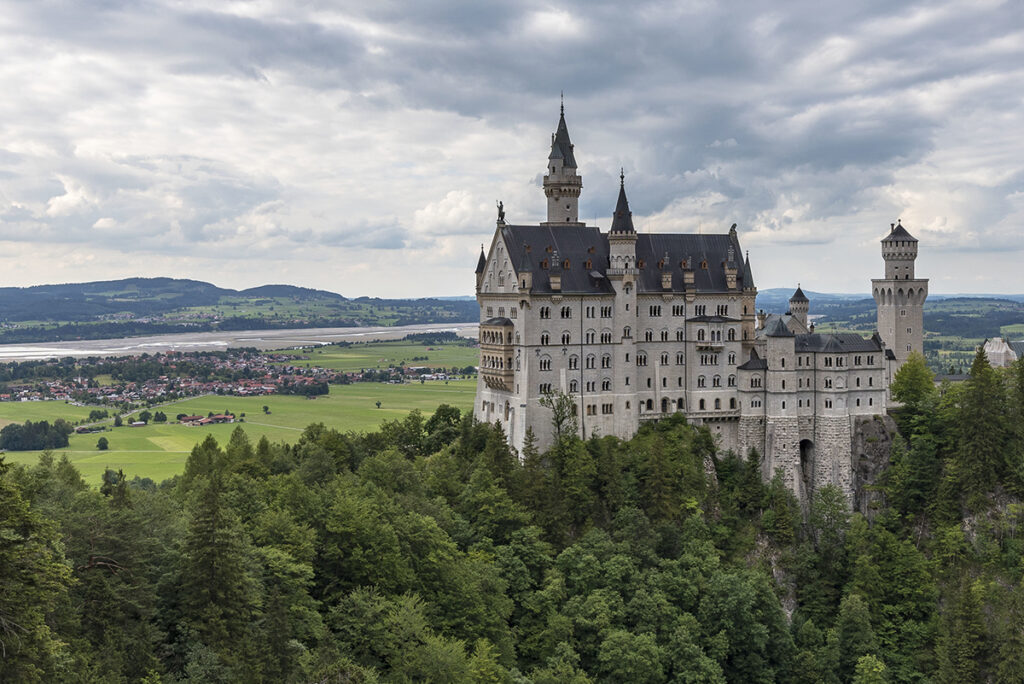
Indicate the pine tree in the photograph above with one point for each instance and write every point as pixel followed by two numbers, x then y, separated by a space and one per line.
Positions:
pixel 982 458
pixel 961 644
pixel 217 593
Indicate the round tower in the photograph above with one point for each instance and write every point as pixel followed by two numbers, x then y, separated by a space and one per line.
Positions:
pixel 900 297
pixel 562 185
pixel 799 305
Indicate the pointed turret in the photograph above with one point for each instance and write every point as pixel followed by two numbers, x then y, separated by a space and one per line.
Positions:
pixel 561 146
pixel 480 265
pixel 622 219
pixel 562 184
pixel 799 306
pixel 748 274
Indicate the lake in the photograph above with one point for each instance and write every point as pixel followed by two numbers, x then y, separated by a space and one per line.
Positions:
pixel 218 341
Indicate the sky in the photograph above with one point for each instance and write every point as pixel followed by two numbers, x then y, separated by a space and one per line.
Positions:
pixel 360 147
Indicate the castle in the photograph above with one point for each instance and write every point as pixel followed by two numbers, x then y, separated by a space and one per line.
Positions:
pixel 637 326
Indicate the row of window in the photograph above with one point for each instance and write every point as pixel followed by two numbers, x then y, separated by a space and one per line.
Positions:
pixel 501 311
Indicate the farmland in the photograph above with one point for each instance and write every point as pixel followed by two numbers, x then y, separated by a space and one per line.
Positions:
pixel 159 451
pixel 383 354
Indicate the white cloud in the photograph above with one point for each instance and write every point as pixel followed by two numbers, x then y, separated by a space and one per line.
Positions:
pixel 360 147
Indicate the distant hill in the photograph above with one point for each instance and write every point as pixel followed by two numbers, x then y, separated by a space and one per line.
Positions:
pixel 150 306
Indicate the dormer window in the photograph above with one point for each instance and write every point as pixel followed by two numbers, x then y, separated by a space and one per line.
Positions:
pixel 704 265
pixel 544 263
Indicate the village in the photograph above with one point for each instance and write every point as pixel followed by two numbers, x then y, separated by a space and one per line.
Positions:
pixel 148 380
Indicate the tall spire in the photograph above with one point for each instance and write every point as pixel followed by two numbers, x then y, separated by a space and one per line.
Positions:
pixel 622 219
pixel 562 184
pixel 561 146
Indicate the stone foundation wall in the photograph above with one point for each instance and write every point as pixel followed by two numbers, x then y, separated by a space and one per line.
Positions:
pixel 782 449
pixel 833 462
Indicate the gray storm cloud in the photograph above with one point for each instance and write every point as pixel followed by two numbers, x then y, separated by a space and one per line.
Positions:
pixel 239 142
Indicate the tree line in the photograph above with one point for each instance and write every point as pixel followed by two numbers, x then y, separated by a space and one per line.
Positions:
pixel 429 551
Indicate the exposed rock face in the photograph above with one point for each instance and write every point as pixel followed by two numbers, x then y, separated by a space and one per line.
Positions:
pixel 870 448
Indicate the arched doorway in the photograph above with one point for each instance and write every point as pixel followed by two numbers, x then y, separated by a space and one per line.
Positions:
pixel 807 466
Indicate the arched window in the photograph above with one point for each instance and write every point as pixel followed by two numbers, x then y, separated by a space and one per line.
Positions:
pixel 574 362
pixel 701 382
pixel 716 381
pixel 566 338
pixel 573 387
pixel 626 332
pixel 732 334
pixel 732 403
pixel 700 335
pixel 648 335
pixel 606 385
pixel 703 404
pixel 732 381
pixel 718 404
pixel 664 358
pixel 545 338
pixel 650 405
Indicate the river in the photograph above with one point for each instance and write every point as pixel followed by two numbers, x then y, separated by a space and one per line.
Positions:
pixel 218 341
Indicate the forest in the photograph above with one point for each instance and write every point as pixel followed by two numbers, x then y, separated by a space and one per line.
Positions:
pixel 428 551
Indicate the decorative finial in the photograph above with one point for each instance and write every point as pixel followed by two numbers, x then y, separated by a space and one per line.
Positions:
pixel 622 177
pixel 899 222
pixel 561 96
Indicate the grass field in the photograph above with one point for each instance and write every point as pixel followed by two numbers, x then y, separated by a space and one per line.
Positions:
pixel 20 411
pixel 159 451
pixel 384 354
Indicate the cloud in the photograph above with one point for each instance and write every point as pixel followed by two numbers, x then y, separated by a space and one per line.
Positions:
pixel 373 137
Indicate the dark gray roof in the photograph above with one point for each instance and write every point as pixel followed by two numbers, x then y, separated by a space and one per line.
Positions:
pixel 776 328
pixel 575 243
pixel 755 362
pixel 899 233
pixel 799 296
pixel 497 320
pixel 1018 348
pixel 713 250
pixel 481 262
pixel 622 219
pixel 748 275
pixel 530 245
pixel 836 343
pixel 561 146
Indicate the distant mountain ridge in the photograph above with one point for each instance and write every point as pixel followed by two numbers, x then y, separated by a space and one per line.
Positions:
pixel 153 306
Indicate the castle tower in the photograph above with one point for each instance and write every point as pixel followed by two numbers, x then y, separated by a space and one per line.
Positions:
pixel 562 184
pixel 799 305
pixel 622 235
pixel 900 297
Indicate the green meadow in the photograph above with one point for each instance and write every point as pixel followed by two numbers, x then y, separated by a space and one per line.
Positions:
pixel 159 451
pixel 383 354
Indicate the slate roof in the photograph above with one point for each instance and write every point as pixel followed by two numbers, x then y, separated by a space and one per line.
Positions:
pixel 529 247
pixel 748 275
pixel 1018 348
pixel 497 320
pixel 836 343
pixel 776 328
pixel 755 362
pixel 481 262
pixel 799 296
pixel 713 250
pixel 899 233
pixel 561 146
pixel 622 219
